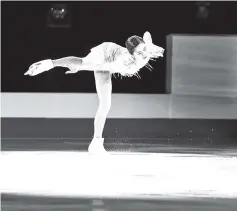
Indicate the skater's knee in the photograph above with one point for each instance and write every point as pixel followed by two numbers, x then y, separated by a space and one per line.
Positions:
pixel 75 60
pixel 104 107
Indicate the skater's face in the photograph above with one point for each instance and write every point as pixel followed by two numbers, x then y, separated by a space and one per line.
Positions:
pixel 141 54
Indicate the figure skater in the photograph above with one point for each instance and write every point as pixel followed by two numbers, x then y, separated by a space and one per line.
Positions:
pixel 106 60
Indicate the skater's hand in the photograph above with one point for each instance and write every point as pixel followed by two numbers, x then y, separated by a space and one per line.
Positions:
pixel 40 67
pixel 72 66
pixel 71 71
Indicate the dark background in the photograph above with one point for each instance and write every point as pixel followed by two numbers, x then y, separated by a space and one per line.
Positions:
pixel 26 39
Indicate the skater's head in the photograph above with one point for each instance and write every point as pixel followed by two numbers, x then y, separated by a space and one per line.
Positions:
pixel 137 47
pixel 133 42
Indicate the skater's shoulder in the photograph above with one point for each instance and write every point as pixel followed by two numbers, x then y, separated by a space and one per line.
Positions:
pixel 114 48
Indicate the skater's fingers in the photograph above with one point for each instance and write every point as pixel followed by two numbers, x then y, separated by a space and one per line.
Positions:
pixel 69 72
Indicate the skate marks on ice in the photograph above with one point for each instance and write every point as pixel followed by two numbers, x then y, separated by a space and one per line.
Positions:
pixel 124 175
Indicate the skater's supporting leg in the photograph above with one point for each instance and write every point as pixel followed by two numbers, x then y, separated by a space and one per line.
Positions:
pixel 104 91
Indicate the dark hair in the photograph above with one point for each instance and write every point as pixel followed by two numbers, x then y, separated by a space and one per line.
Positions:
pixel 133 42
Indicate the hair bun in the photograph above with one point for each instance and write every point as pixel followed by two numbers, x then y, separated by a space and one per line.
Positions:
pixel 132 42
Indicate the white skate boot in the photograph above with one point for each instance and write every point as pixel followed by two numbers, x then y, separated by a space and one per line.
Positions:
pixel 97 146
